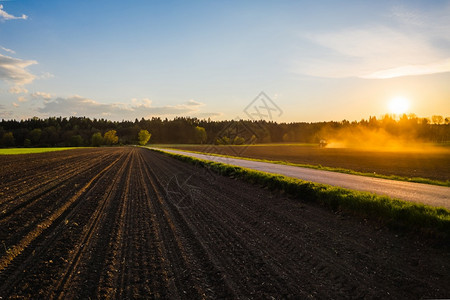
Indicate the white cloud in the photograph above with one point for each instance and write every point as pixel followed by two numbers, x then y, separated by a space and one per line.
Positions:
pixel 17 90
pixel 46 75
pixel 409 70
pixel 14 70
pixel 7 50
pixel 15 104
pixel 21 99
pixel 4 16
pixel 414 44
pixel 76 105
pixel 192 102
pixel 4 114
pixel 41 95
pixel 80 106
pixel 144 102
pixel 145 107
pixel 407 16
pixel 204 115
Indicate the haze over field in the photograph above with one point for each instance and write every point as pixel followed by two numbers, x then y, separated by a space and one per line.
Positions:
pixel 316 61
pixel 322 129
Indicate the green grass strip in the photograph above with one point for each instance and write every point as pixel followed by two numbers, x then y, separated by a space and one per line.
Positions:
pixel 427 219
pixel 15 151
pixel 331 169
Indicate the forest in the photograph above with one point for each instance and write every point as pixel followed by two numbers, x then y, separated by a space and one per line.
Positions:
pixel 83 131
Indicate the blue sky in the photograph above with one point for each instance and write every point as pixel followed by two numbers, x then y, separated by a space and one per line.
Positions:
pixel 331 60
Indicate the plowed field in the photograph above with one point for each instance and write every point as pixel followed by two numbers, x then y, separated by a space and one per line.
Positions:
pixel 426 163
pixel 131 223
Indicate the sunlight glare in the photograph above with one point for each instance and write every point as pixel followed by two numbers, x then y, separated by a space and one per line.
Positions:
pixel 399 105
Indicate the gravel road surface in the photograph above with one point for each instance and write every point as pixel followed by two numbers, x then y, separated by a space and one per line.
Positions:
pixel 129 223
pixel 415 192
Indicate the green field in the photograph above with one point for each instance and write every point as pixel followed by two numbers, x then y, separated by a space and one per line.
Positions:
pixel 15 151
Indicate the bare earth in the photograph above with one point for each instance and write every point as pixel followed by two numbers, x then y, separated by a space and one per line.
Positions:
pixel 438 196
pixel 131 223
pixel 425 162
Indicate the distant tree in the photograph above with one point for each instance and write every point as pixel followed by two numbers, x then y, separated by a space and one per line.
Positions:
pixel 110 137
pixel 76 141
pixel 58 131
pixel 50 135
pixel 238 140
pixel 223 141
pixel 437 119
pixel 8 139
pixel 35 136
pixel 143 137
pixel 200 135
pixel 97 139
pixel 27 143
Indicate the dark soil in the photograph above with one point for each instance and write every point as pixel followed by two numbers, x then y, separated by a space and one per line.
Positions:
pixel 433 164
pixel 132 223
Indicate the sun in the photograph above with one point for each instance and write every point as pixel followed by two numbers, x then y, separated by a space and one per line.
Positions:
pixel 399 105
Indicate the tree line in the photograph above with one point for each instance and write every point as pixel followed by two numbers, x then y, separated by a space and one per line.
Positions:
pixel 83 131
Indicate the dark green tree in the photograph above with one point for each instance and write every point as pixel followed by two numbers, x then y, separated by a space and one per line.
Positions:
pixel 97 139
pixel 35 136
pixel 8 139
pixel 76 141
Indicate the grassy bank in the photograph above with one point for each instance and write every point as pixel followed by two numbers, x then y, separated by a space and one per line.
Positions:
pixel 15 151
pixel 394 212
pixel 331 169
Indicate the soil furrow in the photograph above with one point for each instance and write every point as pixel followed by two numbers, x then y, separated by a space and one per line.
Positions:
pixel 22 210
pixel 128 223
pixel 319 249
pixel 216 284
pixel 91 247
pixel 51 228
pixel 173 246
pixel 43 207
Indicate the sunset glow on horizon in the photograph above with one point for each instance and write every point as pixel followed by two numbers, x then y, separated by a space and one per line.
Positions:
pixel 399 105
pixel 207 59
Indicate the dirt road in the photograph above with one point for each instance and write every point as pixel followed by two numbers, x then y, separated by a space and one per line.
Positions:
pixel 131 223
pixel 420 160
pixel 410 191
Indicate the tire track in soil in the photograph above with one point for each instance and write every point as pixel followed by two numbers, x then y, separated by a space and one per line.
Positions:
pixel 141 270
pixel 309 259
pixel 43 237
pixel 233 251
pixel 180 281
pixel 234 248
pixel 199 264
pixel 94 240
pixel 119 235
pixel 28 217
pixel 133 264
pixel 23 210
pixel 64 171
pixel 17 171
pixel 117 245
pixel 240 220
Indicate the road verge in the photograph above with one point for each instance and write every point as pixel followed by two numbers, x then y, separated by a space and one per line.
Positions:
pixel 428 220
pixel 325 168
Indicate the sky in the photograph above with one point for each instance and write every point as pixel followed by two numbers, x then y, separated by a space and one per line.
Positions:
pixel 312 60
